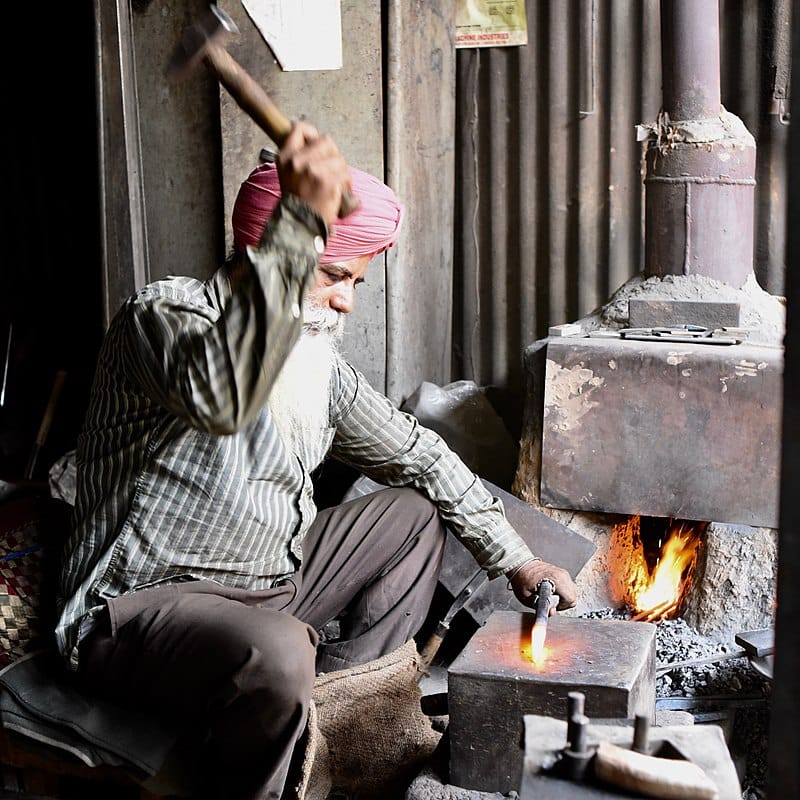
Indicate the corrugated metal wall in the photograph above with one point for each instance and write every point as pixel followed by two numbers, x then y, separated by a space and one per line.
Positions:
pixel 549 193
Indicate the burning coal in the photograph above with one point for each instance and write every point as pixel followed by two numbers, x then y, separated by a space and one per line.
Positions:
pixel 652 564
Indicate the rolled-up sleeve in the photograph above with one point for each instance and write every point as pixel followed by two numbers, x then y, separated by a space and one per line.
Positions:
pixel 211 357
pixel 393 448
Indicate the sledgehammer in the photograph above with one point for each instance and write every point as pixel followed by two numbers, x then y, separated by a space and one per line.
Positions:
pixel 205 41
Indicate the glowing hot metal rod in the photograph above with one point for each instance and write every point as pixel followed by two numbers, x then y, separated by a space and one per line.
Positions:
pixel 546 600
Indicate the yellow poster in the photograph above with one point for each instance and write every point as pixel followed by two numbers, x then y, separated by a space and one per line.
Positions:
pixel 490 23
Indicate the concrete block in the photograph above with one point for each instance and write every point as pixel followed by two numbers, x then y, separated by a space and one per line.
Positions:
pixel 566 329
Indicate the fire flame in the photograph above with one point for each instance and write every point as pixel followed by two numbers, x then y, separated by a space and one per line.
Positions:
pixel 656 588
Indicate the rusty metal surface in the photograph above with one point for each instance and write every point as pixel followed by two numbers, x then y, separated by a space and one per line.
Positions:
pixel 699 215
pixel 701 159
pixel 493 683
pixel 775 34
pixel 545 737
pixel 686 431
pixel 699 200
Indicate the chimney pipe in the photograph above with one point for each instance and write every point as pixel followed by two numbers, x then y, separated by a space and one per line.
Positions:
pixel 690 59
pixel 700 159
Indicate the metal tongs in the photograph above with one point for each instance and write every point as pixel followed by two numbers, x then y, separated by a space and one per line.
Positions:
pixel 687 334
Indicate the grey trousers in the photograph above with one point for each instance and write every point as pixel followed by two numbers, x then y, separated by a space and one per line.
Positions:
pixel 239 667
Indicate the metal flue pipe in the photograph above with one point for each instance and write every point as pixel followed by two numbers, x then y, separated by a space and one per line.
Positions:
pixel 700 159
pixel 690 59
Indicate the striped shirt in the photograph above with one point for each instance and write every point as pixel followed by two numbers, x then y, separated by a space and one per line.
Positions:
pixel 182 474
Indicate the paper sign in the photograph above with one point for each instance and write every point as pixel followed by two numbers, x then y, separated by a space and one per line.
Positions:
pixel 490 23
pixel 302 34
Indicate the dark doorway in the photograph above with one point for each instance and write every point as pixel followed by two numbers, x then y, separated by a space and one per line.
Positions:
pixel 50 310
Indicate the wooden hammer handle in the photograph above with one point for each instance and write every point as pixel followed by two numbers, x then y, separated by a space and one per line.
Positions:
pixel 252 98
pixel 429 651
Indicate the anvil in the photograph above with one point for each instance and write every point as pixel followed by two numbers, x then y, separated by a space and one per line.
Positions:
pixel 493 683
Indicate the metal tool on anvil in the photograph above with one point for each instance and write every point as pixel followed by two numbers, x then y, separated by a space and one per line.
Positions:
pixel 205 41
pixel 472 590
pixel 680 334
pixel 546 601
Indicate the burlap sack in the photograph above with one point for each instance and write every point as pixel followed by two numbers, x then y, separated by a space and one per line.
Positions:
pixel 315 776
pixel 368 735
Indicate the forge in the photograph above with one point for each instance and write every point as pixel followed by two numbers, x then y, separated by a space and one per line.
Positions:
pixel 620 434
pixel 659 428
pixel 666 401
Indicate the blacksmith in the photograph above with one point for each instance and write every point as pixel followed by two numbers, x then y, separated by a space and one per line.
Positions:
pixel 199 571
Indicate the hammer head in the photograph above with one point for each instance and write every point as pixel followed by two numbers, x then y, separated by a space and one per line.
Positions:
pixel 214 28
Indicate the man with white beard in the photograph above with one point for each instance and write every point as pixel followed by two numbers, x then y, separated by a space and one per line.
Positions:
pixel 299 398
pixel 199 571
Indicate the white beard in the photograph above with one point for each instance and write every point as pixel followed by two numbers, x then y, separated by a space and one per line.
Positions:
pixel 300 398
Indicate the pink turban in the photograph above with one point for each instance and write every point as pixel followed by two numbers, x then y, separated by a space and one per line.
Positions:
pixel 372 228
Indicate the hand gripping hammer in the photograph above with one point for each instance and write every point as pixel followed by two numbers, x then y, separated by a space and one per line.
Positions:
pixel 205 41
